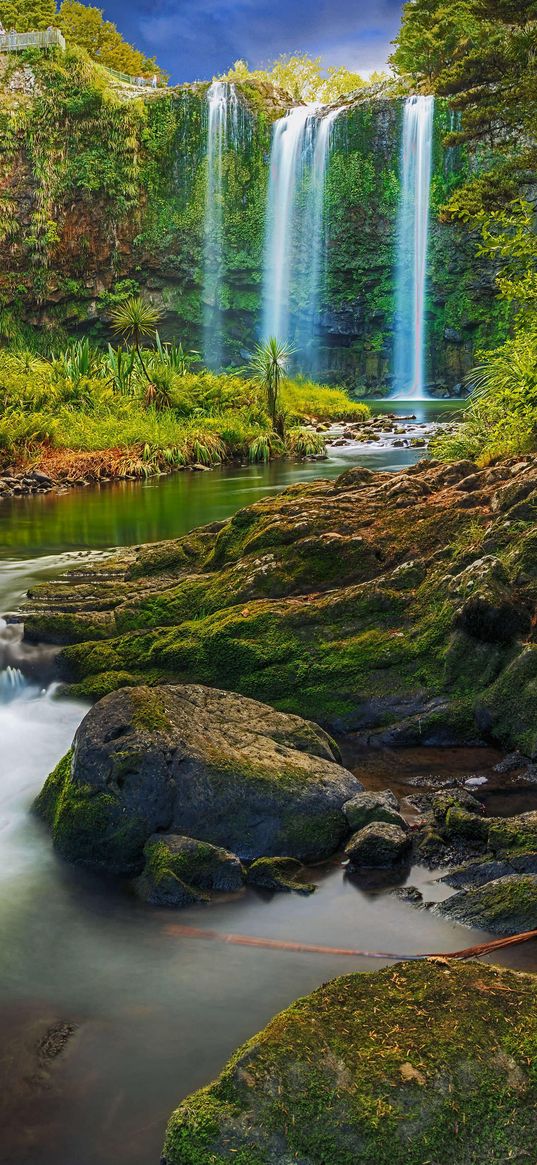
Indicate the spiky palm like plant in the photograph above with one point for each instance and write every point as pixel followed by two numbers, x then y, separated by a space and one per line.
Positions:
pixel 134 320
pixel 268 364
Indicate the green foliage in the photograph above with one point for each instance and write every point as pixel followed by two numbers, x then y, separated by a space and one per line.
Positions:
pixel 84 400
pixel 85 26
pixel 27 15
pixel 302 77
pixel 501 419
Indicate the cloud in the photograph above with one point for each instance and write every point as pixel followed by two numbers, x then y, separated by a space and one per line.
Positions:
pixel 195 39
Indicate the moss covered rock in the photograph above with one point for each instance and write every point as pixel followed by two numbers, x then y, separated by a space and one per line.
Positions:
pixel 200 763
pixel 181 870
pixel 417 1063
pixel 278 874
pixel 505 906
pixel 297 600
pixel 377 846
pixel 367 807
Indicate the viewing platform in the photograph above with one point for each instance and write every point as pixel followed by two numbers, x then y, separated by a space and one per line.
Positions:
pixel 17 42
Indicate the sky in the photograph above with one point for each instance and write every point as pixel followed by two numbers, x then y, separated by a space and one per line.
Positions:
pixel 198 39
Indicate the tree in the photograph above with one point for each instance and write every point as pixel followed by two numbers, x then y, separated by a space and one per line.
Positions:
pixel 28 15
pixel 302 77
pixel 268 365
pixel 134 320
pixel 84 25
pixel 433 34
pixel 339 83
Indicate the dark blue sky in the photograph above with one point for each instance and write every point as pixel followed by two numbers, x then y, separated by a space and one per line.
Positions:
pixel 194 39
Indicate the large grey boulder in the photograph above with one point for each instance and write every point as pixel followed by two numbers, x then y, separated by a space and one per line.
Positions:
pixel 200 763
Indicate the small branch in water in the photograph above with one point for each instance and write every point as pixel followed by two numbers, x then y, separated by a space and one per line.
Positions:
pixel 245 940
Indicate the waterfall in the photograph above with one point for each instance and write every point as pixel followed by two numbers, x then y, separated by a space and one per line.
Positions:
pixel 289 145
pixel 295 229
pixel 413 230
pixel 315 242
pixel 12 684
pixel 223 124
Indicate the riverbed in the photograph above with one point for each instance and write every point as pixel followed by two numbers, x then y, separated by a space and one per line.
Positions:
pixel 139 1013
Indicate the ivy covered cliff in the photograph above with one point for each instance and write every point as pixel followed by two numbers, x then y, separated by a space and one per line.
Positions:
pixel 103 192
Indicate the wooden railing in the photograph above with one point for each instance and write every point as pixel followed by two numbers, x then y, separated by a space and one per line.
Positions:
pixel 16 42
pixel 151 81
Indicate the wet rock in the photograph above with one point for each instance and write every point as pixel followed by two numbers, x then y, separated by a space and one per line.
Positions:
pixel 377 846
pixel 368 807
pixel 201 763
pixel 278 874
pixel 505 906
pixel 181 870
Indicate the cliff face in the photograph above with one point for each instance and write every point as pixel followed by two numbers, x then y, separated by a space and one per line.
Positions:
pixel 102 192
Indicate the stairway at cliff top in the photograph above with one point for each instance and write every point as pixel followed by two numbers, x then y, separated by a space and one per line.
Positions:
pixel 412 246
pixel 295 238
pixel 226 124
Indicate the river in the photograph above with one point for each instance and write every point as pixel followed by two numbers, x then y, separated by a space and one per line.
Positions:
pixel 150 1015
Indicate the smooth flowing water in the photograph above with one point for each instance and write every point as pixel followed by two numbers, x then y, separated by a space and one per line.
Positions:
pixel 291 142
pixel 151 1014
pixel 412 244
pixel 223 123
pixel 295 242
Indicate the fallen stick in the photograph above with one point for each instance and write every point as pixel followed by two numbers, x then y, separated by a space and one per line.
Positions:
pixel 273 944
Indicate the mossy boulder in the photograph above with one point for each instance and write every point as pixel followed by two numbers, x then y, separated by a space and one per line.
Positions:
pixel 416 1063
pixel 367 807
pixel 377 846
pixel 504 906
pixel 200 763
pixel 181 870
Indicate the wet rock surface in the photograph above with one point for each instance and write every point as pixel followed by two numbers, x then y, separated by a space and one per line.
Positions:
pixel 377 846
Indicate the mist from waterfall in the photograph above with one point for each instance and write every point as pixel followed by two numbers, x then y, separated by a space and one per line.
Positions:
pixel 294 265
pixel 412 244
pixel 223 125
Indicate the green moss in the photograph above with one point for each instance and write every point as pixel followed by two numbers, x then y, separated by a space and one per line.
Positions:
pixel 353 1073
pixel 278 874
pixel 148 711
pixel 88 826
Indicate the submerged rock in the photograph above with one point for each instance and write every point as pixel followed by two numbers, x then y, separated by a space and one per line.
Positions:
pixel 201 763
pixel 504 906
pixel 181 870
pixel 377 846
pixel 418 1062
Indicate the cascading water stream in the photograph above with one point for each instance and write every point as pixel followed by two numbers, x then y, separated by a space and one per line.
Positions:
pixel 290 142
pixel 413 232
pixel 295 247
pixel 223 125
pixel 315 242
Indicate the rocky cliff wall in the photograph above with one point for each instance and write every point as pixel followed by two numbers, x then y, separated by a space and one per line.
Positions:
pixel 102 193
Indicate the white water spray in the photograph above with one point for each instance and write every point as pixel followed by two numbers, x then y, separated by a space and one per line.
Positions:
pixel 413 232
pixel 222 131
